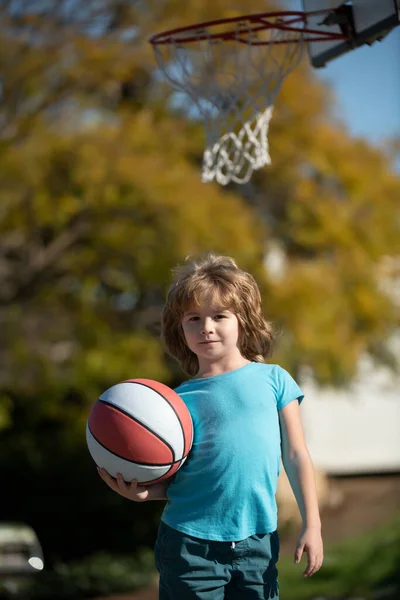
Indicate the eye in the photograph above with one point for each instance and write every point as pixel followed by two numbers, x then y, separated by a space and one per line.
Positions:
pixel 193 318
pixel 220 317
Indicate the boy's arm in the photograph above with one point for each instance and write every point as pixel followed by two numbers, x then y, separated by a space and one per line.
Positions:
pixel 300 471
pixel 158 491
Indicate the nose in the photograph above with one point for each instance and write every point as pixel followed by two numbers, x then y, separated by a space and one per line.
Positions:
pixel 207 326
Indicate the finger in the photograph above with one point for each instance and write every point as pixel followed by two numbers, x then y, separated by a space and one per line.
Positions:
pixel 309 571
pixel 121 483
pixel 133 489
pixel 106 477
pixel 298 553
pixel 141 492
pixel 104 474
pixel 317 566
pixel 312 562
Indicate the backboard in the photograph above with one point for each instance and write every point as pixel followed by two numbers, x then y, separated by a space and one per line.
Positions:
pixel 370 20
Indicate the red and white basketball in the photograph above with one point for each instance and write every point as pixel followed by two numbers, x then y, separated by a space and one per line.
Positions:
pixel 141 429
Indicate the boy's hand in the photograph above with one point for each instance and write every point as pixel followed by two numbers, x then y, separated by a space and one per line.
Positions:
pixel 310 542
pixel 133 491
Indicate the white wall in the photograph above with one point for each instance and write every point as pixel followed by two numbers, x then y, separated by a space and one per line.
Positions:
pixel 357 430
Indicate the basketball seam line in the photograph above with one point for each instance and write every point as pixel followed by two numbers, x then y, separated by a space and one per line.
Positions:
pixel 134 461
pixel 144 426
pixel 171 405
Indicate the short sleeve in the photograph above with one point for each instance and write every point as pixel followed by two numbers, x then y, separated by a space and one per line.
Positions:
pixel 287 388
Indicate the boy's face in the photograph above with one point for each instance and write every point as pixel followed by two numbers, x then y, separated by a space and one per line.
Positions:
pixel 211 332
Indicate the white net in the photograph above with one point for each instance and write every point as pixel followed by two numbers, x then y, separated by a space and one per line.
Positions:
pixel 233 83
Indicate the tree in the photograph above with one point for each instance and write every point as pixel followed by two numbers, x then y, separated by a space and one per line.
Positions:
pixel 331 206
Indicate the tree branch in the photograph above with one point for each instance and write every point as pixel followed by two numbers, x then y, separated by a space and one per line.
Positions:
pixel 43 260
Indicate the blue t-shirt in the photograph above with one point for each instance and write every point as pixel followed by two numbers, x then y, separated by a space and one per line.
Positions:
pixel 226 489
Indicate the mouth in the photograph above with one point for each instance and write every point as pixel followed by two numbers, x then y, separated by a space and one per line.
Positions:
pixel 209 342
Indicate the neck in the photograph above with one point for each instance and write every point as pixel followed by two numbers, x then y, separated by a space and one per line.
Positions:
pixel 210 369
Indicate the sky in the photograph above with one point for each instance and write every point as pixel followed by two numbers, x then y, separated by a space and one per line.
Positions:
pixel 366 83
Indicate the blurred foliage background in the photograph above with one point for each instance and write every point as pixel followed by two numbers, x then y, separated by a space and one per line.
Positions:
pixel 100 196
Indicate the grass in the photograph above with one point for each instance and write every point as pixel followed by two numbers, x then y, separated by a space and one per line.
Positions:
pixel 367 566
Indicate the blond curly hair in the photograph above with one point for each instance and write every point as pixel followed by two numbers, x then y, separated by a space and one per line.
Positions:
pixel 234 289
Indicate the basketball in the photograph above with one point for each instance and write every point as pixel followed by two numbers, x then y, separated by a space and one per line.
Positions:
pixel 140 428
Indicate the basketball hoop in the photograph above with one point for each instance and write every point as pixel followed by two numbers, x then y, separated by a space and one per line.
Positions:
pixel 232 69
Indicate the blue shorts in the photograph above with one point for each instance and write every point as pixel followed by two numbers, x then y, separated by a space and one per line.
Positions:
pixel 194 569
